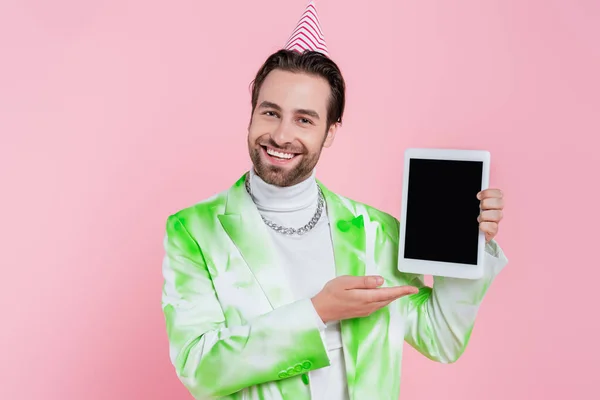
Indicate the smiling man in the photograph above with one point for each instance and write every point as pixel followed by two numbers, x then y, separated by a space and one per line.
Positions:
pixel 278 288
pixel 291 122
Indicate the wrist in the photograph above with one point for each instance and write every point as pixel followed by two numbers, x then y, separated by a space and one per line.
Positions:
pixel 319 309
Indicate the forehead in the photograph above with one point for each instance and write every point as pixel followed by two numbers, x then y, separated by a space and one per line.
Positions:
pixel 295 90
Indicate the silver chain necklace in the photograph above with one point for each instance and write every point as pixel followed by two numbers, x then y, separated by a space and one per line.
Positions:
pixel 292 231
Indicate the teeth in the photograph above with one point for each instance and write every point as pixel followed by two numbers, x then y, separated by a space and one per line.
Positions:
pixel 279 155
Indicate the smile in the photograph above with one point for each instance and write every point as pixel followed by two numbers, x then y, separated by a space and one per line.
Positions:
pixel 279 154
pixel 277 157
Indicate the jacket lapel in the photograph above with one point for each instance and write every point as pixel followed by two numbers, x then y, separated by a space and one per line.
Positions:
pixel 244 225
pixel 349 246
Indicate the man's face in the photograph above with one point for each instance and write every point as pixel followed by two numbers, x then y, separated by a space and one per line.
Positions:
pixel 289 128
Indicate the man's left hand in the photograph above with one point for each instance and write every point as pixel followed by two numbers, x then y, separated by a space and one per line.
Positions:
pixel 492 205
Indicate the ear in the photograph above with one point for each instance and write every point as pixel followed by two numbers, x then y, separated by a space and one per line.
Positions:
pixel 330 135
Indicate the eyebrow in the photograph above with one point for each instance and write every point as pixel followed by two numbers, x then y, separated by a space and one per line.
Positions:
pixel 311 113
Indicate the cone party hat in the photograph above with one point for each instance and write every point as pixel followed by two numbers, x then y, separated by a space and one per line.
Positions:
pixel 308 34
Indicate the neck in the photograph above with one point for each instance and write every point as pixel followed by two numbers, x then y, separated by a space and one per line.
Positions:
pixel 268 197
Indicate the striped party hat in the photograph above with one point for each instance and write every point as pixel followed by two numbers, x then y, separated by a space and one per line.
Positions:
pixel 308 34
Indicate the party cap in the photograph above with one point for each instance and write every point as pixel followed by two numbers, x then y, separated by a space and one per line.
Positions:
pixel 308 34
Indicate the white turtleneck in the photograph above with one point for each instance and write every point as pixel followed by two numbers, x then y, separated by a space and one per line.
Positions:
pixel 308 263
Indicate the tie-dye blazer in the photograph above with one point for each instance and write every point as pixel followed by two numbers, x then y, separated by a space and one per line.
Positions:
pixel 235 332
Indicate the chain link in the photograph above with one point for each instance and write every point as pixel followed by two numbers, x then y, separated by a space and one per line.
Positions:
pixel 292 231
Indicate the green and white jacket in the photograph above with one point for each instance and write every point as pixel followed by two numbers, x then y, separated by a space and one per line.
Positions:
pixel 235 332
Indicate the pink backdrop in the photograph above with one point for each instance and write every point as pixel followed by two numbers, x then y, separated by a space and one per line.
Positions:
pixel 114 114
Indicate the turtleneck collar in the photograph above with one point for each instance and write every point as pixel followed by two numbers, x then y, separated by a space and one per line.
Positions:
pixel 269 197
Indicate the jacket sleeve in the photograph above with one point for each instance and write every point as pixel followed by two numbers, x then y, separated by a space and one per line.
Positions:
pixel 212 359
pixel 439 320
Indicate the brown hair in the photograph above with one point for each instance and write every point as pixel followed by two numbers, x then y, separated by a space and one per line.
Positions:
pixel 309 62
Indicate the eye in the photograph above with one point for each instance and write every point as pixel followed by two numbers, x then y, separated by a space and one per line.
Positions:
pixel 305 121
pixel 270 113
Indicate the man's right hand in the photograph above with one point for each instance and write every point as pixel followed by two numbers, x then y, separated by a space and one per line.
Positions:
pixel 355 296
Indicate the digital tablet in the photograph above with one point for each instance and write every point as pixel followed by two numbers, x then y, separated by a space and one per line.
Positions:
pixel 439 231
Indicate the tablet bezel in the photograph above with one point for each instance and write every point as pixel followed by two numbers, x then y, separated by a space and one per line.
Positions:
pixel 438 268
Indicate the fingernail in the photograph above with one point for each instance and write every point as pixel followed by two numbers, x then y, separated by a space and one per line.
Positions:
pixel 479 195
pixel 379 280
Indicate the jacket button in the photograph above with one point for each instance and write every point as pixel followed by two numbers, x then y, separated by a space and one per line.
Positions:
pixel 290 371
pixel 305 379
pixel 306 364
pixel 298 367
pixel 283 375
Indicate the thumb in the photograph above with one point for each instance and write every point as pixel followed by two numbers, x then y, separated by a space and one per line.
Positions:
pixel 363 282
pixel 371 282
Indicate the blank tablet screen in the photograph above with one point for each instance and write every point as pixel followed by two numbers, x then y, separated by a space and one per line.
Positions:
pixel 442 210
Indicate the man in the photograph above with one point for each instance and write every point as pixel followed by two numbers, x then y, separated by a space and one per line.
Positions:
pixel 267 294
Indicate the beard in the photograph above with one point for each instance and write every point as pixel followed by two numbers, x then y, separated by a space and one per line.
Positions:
pixel 281 176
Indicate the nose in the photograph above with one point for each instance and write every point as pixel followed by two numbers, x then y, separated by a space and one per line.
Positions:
pixel 283 134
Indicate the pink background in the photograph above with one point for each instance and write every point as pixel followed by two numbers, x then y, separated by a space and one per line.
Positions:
pixel 115 114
